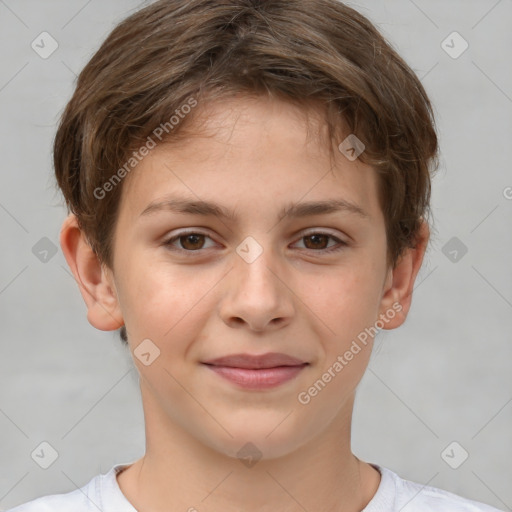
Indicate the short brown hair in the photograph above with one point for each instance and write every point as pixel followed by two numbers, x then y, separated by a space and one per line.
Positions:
pixel 323 51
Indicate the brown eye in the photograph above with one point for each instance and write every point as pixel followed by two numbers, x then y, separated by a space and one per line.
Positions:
pixel 191 242
pixel 317 241
pixel 187 242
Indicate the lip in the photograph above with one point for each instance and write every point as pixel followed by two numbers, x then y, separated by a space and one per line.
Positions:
pixel 257 371
pixel 256 362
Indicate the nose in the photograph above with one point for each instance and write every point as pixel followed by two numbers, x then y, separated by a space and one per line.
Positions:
pixel 256 294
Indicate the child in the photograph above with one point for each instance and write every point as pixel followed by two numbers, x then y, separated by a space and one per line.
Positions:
pixel 249 186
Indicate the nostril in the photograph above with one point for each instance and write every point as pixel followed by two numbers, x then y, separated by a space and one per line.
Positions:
pixel 238 320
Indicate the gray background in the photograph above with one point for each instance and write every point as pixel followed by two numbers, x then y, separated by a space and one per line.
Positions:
pixel 444 376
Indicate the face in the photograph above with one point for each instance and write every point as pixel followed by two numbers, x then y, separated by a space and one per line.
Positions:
pixel 275 274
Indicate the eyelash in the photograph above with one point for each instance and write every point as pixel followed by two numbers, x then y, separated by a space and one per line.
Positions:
pixel 342 245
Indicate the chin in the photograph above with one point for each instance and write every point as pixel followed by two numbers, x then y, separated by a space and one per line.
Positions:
pixel 253 441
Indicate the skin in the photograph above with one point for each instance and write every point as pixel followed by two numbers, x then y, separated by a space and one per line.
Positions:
pixel 253 156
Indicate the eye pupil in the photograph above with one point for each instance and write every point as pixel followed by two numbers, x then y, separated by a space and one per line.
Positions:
pixel 193 237
pixel 315 239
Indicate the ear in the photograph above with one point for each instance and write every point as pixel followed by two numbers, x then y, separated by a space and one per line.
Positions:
pixel 397 292
pixel 95 280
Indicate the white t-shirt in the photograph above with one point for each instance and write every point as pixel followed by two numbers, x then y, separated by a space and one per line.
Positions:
pixel 393 495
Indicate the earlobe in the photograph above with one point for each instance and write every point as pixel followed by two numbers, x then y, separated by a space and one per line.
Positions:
pixel 94 280
pixel 400 281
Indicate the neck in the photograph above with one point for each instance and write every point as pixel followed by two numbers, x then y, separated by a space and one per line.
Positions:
pixel 178 472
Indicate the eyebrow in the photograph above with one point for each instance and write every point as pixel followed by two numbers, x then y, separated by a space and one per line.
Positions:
pixel 294 210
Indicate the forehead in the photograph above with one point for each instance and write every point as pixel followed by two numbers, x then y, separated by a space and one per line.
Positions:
pixel 242 148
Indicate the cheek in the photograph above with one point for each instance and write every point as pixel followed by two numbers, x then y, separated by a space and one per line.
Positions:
pixel 347 306
pixel 348 300
pixel 163 304
pixel 147 298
